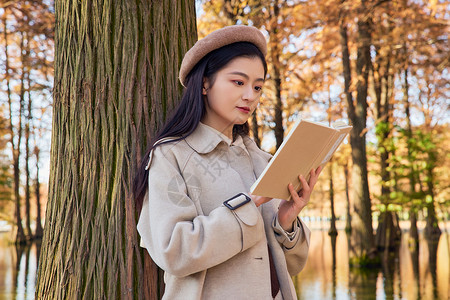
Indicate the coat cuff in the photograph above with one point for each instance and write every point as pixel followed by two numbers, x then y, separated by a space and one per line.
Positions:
pixel 287 239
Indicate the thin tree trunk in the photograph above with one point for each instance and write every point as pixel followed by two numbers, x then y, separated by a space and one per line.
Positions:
pixel 387 234
pixel 432 230
pixel 20 235
pixel 275 50
pixel 350 108
pixel 332 230
pixel 39 230
pixel 27 141
pixel 116 75
pixel 413 231
pixel 348 223
pixel 362 250
pixel 255 131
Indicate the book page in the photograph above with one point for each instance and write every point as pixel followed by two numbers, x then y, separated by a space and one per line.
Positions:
pixel 307 146
pixel 333 149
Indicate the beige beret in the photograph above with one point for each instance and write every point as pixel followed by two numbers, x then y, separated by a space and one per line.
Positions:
pixel 217 39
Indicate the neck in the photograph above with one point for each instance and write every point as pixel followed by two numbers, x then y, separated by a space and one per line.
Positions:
pixel 226 129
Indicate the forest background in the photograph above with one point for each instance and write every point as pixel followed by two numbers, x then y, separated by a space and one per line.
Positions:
pixel 382 66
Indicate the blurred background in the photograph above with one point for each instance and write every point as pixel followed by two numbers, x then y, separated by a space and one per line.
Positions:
pixel 383 65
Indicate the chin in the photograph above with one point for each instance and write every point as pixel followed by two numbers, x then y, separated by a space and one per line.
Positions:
pixel 240 122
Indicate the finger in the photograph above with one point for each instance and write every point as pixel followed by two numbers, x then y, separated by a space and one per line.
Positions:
pixel 319 169
pixel 293 192
pixel 305 185
pixel 314 176
pixel 316 172
pixel 299 201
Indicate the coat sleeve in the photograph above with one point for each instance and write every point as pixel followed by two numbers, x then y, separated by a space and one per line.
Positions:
pixel 178 239
pixel 295 246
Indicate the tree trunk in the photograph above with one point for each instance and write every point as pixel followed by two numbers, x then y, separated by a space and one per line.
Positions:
pixel 39 230
pixel 20 235
pixel 348 223
pixel 362 250
pixel 275 50
pixel 27 142
pixel 432 230
pixel 116 75
pixel 382 76
pixel 413 231
pixel 387 235
pixel 332 230
pixel 350 108
pixel 255 129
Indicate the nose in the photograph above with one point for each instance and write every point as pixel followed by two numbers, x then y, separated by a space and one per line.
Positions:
pixel 250 94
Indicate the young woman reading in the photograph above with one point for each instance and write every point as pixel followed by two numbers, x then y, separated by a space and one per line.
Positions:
pixel 198 221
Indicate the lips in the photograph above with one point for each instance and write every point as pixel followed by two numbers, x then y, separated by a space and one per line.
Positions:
pixel 244 109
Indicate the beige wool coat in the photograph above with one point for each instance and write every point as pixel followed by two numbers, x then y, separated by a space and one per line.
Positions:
pixel 207 250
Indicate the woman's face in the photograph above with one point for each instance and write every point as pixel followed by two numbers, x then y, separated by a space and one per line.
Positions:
pixel 234 94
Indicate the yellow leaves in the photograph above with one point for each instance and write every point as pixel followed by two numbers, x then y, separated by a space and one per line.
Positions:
pixel 432 5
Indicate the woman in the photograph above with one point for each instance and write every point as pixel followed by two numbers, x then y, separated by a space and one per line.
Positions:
pixel 198 222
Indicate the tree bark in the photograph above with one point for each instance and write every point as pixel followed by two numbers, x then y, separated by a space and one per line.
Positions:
pixel 116 76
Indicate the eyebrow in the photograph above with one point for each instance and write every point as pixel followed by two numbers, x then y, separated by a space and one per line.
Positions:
pixel 245 75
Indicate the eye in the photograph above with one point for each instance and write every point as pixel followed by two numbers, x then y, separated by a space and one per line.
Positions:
pixel 238 82
pixel 258 88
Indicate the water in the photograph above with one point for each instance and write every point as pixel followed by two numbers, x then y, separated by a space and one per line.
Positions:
pixel 406 275
pixel 18 268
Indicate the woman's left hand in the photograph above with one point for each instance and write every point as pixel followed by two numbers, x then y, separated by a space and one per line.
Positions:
pixel 289 210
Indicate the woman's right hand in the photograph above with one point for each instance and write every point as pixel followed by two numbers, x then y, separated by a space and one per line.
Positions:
pixel 259 199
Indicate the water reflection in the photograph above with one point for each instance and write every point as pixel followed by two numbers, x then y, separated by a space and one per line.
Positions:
pixel 18 266
pixel 419 270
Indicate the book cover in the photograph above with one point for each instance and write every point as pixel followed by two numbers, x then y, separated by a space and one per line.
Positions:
pixel 307 146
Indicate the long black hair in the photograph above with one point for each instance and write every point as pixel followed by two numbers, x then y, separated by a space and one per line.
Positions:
pixel 185 118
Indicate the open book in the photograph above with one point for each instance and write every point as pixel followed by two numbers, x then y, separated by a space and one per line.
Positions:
pixel 307 146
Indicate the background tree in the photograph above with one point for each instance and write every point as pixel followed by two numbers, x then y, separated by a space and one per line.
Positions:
pixel 6 177
pixel 115 79
pixel 26 39
pixel 15 144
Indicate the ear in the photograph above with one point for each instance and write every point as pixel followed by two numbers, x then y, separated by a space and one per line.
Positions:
pixel 205 86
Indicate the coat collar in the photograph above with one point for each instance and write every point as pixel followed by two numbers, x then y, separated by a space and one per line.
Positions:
pixel 204 139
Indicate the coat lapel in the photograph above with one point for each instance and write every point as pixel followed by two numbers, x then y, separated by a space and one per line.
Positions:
pixel 259 157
